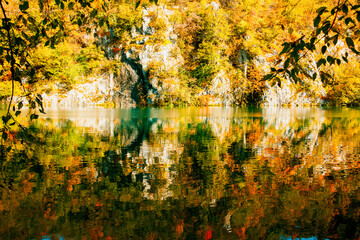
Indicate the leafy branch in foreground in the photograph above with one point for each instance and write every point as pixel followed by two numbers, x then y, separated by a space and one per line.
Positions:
pixel 26 27
pixel 333 28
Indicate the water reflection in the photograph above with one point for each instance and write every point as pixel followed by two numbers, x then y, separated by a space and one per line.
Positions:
pixel 192 173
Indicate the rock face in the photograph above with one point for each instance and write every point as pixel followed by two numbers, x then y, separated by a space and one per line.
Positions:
pixel 289 95
pixel 148 72
pixel 128 86
pixel 157 54
pixel 123 90
pixel 219 91
pixel 93 92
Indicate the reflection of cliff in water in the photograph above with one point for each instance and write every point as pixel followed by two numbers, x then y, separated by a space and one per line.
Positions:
pixel 185 173
pixel 162 147
pixel 209 138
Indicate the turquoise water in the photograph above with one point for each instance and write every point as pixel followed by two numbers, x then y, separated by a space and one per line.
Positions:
pixel 190 173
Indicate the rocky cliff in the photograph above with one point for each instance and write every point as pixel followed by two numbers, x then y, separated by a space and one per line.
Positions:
pixel 152 69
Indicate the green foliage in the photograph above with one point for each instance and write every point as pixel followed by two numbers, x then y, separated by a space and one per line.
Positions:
pixel 121 21
pixel 173 87
pixel 52 42
pixel 66 64
pixel 344 87
pixel 203 40
pixel 92 60
pixel 5 89
pixel 27 26
pixel 331 26
pixel 56 65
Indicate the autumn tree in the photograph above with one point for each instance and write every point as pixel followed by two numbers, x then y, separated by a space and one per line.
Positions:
pixel 335 35
pixel 27 25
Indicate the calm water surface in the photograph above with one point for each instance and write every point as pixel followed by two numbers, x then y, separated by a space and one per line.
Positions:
pixel 191 173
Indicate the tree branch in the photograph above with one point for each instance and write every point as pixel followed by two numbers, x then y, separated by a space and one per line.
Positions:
pixel 12 63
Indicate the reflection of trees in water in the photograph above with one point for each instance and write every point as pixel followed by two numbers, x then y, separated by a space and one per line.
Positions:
pixel 165 178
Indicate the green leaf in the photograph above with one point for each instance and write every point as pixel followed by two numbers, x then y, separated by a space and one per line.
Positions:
pixel 355 7
pixel 325 27
pixel 286 49
pixel 291 30
pixel 322 61
pixel 93 13
pixel 57 2
pixel 314 76
pixel 349 42
pixel 8 149
pixel 325 76
pixel 32 73
pixel 345 59
pixel 20 105
pixel 268 76
pixel 358 16
pixel 6 118
pixel 355 51
pixel 24 6
pixel 17 113
pixel 338 61
pixel 71 5
pixel 38 101
pixel 330 60
pixel 4 135
pixel 336 37
pixel 24 21
pixel 33 116
pixel 286 64
pixel 137 4
pixel 345 8
pixel 348 20
pixel 101 22
pixel 32 105
pixel 317 21
pixel 323 49
pixel 320 10
pixel 312 40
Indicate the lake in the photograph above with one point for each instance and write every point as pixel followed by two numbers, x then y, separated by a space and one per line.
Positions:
pixel 185 173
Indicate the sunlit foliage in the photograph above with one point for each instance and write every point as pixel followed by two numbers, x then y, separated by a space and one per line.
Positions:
pixel 242 39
